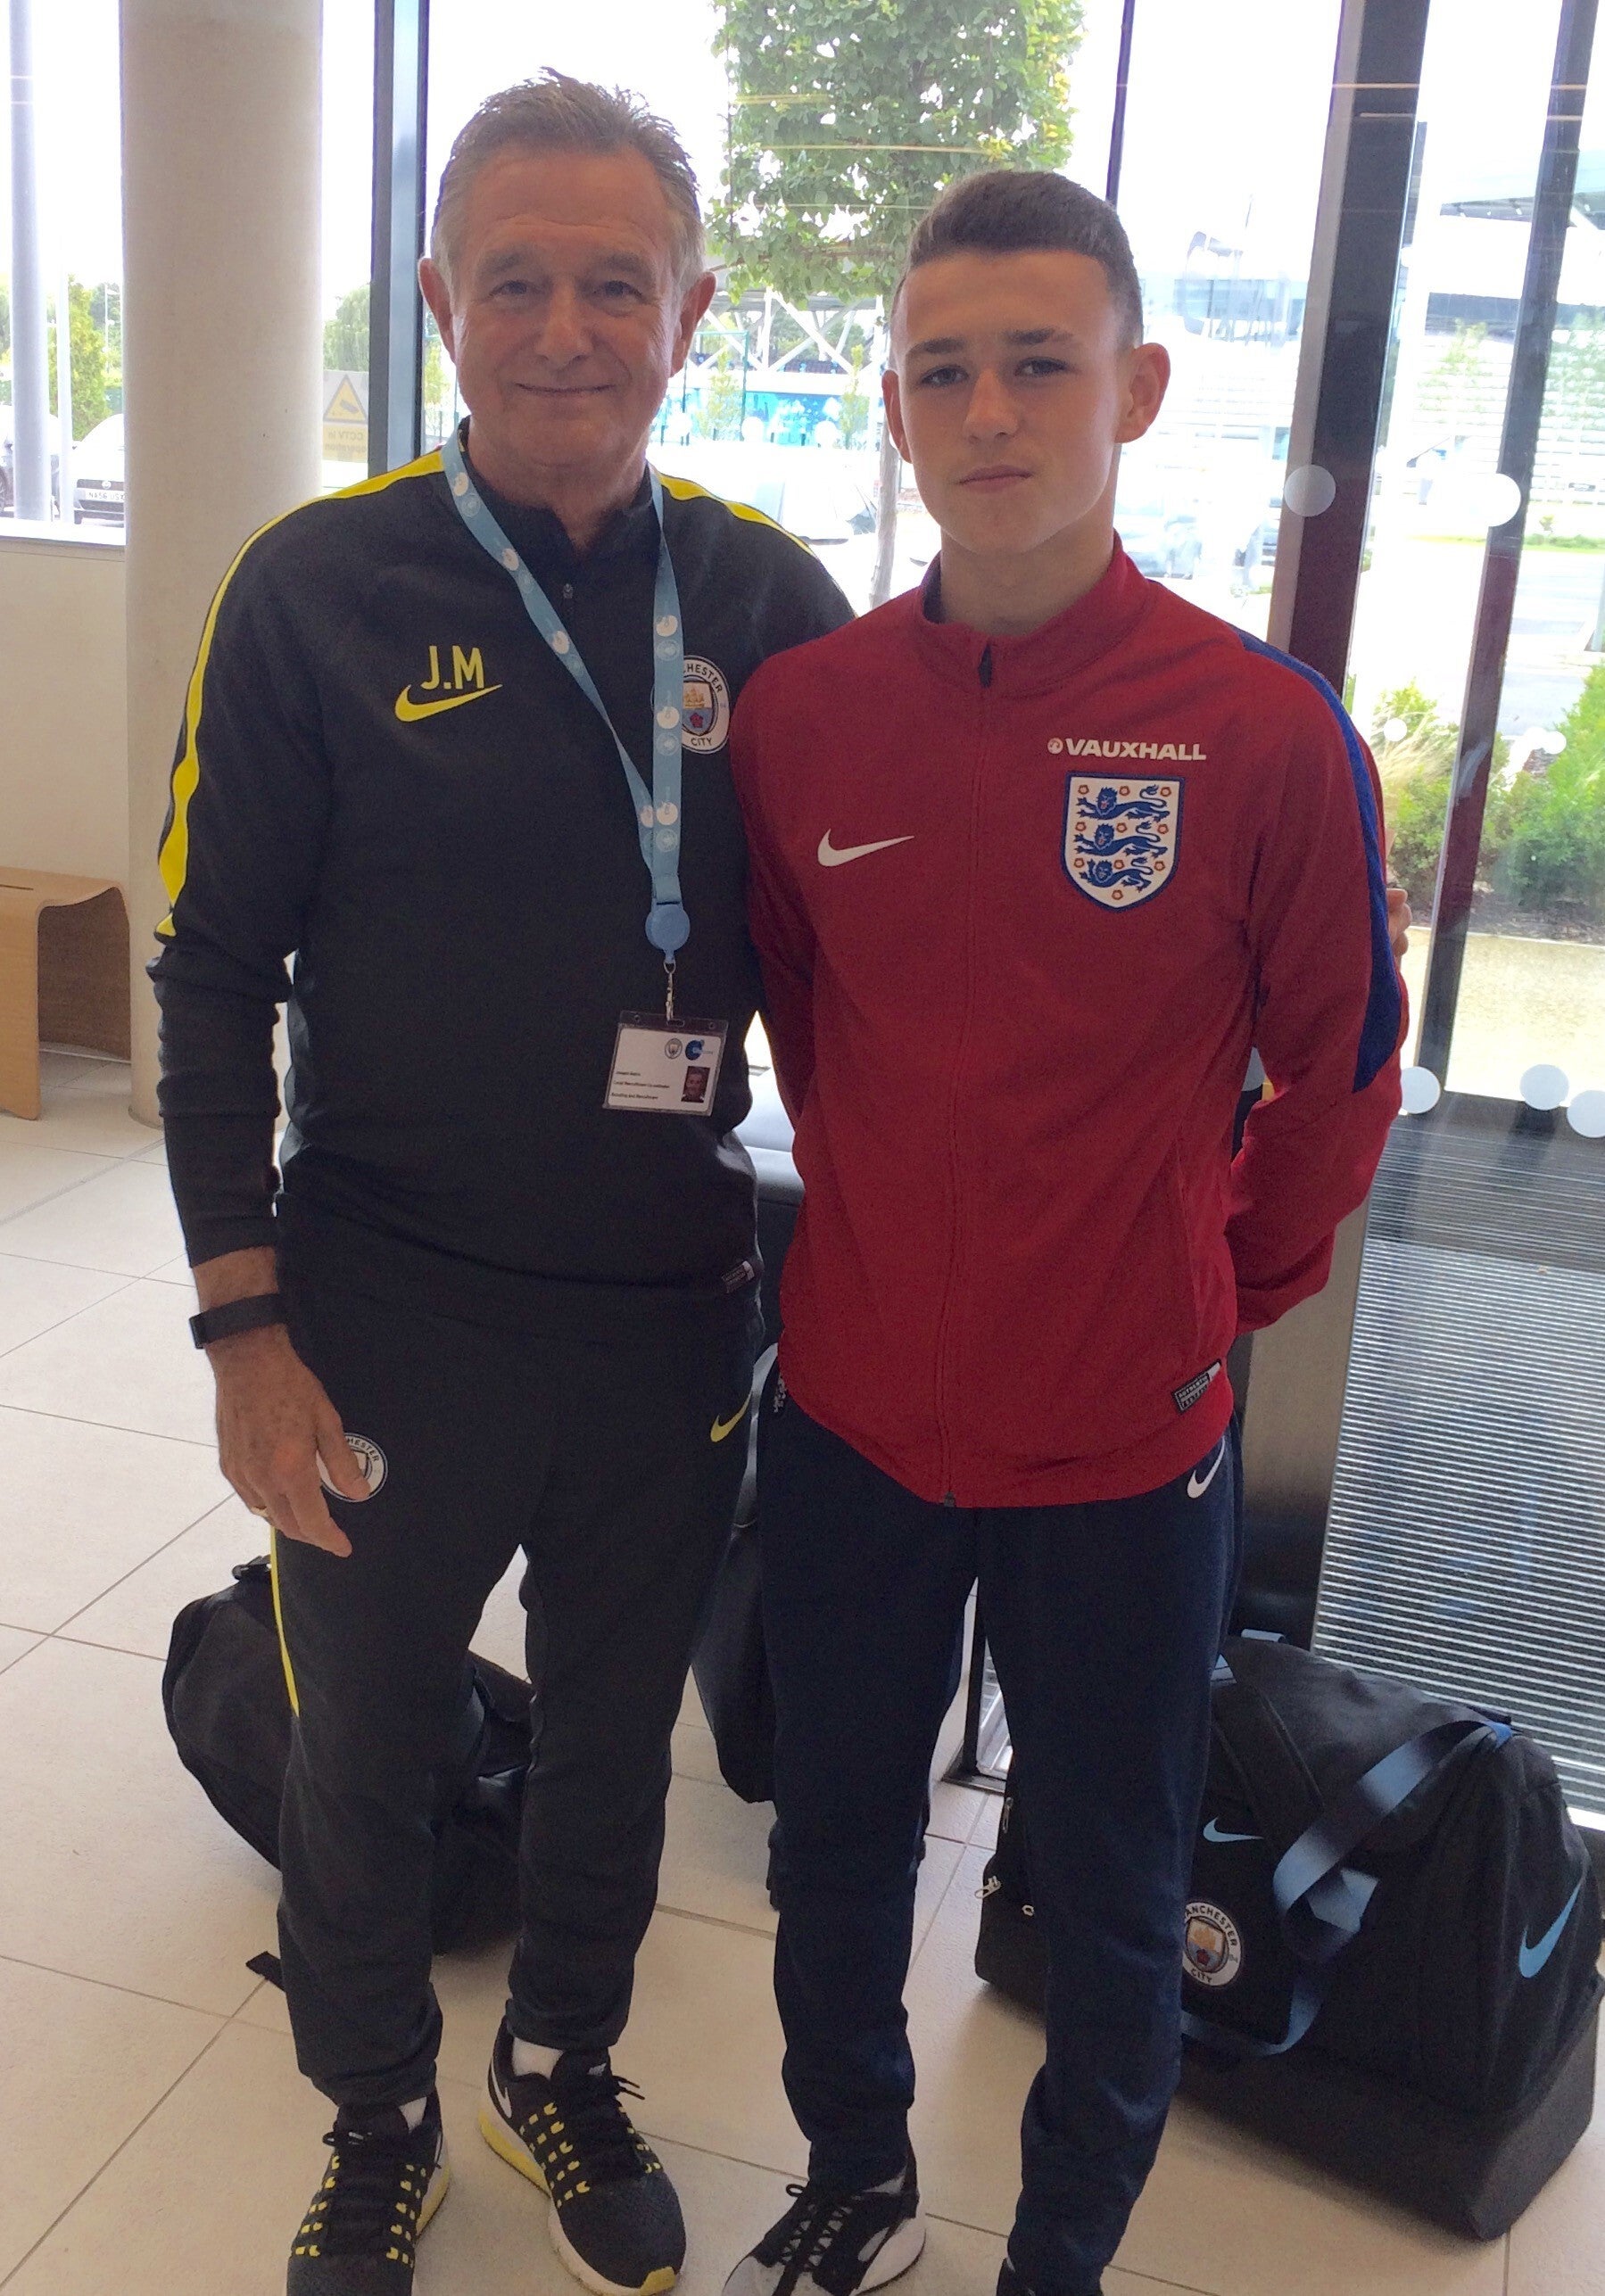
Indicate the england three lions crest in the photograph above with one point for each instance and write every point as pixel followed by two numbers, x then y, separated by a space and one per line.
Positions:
pixel 1121 837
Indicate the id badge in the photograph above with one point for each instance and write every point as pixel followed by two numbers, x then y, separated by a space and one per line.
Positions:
pixel 665 1068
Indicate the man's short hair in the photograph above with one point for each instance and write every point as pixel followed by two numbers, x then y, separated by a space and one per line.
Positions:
pixel 554 113
pixel 1019 211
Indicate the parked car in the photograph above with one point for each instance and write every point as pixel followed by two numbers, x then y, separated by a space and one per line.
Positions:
pixel 1160 540
pixel 97 473
pixel 8 480
pixel 1255 561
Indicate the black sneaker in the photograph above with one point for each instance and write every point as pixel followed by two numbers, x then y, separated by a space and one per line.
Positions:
pixel 615 2218
pixel 384 2183
pixel 840 2244
pixel 1010 2283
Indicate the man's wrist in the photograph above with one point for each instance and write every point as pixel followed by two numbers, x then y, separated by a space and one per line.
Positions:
pixel 235 1317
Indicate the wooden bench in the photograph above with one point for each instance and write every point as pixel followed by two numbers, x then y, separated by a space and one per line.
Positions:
pixel 63 974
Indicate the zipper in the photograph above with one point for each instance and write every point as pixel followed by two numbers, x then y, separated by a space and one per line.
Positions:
pixel 945 1323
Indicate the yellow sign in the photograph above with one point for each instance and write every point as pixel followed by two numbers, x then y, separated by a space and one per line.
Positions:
pixel 345 418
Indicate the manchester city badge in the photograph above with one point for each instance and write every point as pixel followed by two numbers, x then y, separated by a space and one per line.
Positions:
pixel 706 722
pixel 1121 837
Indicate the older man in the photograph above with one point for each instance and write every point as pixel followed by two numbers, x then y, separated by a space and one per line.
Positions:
pixel 457 739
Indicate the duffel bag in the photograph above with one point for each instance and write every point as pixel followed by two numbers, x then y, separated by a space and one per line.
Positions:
pixel 1391 1932
pixel 228 1707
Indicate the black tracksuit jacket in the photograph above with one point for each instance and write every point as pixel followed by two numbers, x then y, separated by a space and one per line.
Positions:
pixel 393 808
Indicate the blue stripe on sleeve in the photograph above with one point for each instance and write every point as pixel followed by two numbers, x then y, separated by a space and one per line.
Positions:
pixel 1384 1005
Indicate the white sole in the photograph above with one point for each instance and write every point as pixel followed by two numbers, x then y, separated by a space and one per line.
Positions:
pixel 901 2250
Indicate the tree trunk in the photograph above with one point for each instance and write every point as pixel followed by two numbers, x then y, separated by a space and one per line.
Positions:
pixel 886 516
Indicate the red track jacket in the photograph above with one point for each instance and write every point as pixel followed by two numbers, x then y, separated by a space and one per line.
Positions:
pixel 1023 906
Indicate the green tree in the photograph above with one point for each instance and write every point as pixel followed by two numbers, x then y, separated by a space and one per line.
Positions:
pixel 1415 746
pixel 87 361
pixel 345 335
pixel 1553 861
pixel 846 122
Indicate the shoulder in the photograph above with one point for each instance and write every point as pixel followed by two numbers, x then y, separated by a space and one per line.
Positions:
pixel 714 538
pixel 334 541
pixel 1292 697
pixel 860 648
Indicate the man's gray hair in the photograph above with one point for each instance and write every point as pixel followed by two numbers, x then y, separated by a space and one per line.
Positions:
pixel 554 113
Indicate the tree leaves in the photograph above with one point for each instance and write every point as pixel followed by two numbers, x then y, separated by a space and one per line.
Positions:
pixel 846 120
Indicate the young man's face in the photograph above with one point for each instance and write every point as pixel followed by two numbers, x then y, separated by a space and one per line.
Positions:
pixel 1013 390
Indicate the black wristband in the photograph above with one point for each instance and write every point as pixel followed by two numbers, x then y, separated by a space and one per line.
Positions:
pixel 238 1316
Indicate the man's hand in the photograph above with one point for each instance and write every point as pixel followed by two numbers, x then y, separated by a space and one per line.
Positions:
pixel 1399 922
pixel 276 1425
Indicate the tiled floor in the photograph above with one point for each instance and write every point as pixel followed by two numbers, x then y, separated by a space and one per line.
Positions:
pixel 157 2138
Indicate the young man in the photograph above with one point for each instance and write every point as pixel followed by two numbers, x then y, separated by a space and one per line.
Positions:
pixel 1040 853
pixel 506 1296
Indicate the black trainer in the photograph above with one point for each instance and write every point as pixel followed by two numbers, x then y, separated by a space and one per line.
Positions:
pixel 835 2243
pixel 1010 2283
pixel 385 2181
pixel 615 2218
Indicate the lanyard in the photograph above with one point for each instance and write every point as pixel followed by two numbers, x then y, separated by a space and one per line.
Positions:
pixel 657 809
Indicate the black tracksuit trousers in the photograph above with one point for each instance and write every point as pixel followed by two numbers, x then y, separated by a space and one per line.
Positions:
pixel 599 1458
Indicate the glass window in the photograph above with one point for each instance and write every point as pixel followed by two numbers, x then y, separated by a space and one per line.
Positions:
pixel 1219 176
pixel 74 220
pixel 1466 1531
pixel 348 109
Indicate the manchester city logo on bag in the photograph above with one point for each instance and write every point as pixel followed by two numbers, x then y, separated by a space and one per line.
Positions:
pixel 1212 1951
pixel 1121 837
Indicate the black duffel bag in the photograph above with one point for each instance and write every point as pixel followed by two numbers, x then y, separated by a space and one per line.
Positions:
pixel 1392 1936
pixel 227 1706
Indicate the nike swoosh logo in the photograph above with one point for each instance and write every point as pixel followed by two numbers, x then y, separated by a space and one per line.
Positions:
pixel 1532 1958
pixel 721 1427
pixel 832 857
pixel 1212 1833
pixel 410 711
pixel 1196 1489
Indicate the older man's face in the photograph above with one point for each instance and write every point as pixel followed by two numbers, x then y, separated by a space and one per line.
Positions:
pixel 567 316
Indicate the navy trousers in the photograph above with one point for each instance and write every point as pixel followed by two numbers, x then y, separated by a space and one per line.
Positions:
pixel 1104 1621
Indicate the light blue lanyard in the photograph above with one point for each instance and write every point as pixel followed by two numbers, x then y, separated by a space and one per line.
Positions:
pixel 657 809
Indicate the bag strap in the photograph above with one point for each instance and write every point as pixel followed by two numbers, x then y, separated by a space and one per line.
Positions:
pixel 1320 1902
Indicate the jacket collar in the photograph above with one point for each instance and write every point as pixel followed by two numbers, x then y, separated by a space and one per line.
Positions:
pixel 1043 658
pixel 542 539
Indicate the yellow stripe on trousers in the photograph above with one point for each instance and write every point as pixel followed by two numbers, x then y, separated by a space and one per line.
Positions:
pixel 278 1620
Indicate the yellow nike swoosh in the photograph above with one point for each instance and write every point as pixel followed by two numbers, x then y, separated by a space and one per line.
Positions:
pixel 408 710
pixel 721 1427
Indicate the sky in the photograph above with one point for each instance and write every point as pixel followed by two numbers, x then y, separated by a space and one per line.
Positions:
pixel 1227 113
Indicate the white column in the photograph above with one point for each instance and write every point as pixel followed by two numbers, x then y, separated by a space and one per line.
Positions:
pixel 222 356
pixel 29 352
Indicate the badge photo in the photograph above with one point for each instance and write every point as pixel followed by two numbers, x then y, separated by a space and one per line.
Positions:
pixel 706 719
pixel 1121 837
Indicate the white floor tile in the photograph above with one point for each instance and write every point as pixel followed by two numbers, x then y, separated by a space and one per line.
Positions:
pixel 90 1112
pixel 137 1615
pixel 13 1645
pixel 704 2043
pixel 83 1505
pixel 81 2066
pixel 121 1221
pixel 156 1154
pixel 955 1810
pixel 31 1173
pixel 38 1294
pixel 1558 2249
pixel 695 1754
pixel 116 1867
pixel 715 1856
pixel 203 2200
pixel 500 1634
pixel 174 1271
pixel 985 1836
pixel 126 1362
